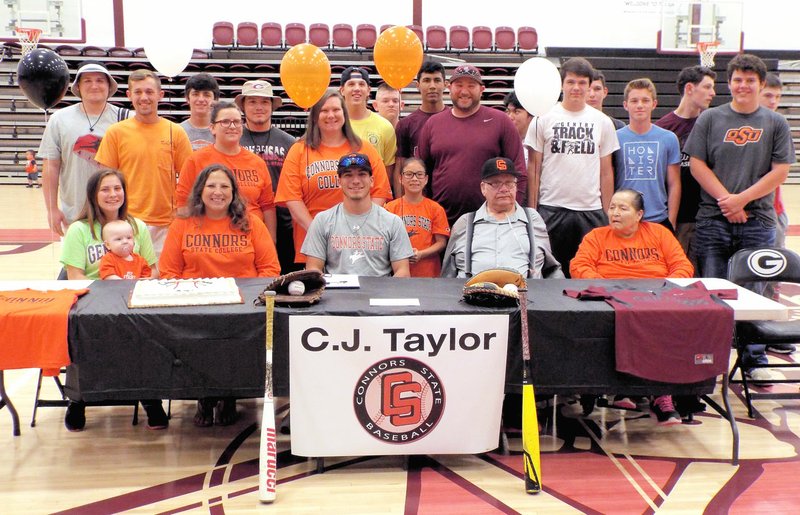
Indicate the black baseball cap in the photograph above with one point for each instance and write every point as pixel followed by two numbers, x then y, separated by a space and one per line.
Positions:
pixel 498 166
pixel 354 160
pixel 354 72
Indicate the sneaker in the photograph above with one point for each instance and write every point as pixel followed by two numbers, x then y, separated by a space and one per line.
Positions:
pixel 623 402
pixel 75 419
pixel 760 376
pixel 156 416
pixel 782 348
pixel 664 411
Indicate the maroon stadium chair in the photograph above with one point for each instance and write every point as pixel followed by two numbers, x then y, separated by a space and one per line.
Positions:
pixel 436 37
pixel 386 26
pixel 222 34
pixel 94 51
pixel 481 39
pixel 342 37
pixel 319 35
pixel 418 31
pixel 247 34
pixel 366 35
pixel 197 53
pixel 459 38
pixel 119 51
pixel 271 35
pixel 527 39
pixel 67 50
pixel 504 39
pixel 294 34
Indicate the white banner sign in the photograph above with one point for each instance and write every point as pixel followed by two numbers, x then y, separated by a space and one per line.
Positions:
pixel 396 384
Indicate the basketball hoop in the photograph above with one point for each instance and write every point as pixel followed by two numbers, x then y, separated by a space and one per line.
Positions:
pixel 707 50
pixel 28 39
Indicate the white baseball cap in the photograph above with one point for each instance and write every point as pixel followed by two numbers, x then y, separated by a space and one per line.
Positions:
pixel 93 68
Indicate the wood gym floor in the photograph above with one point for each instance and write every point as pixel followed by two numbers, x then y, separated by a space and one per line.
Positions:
pixel 610 462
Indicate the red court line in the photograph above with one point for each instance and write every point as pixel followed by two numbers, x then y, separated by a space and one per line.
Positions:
pixel 27 235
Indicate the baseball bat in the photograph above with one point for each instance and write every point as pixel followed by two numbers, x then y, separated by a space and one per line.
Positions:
pixel 268 450
pixel 530 424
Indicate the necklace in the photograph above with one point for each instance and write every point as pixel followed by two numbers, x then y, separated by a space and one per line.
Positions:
pixel 264 144
pixel 92 125
pixel 356 224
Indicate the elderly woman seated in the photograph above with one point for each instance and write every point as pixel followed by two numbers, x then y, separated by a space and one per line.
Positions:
pixel 631 248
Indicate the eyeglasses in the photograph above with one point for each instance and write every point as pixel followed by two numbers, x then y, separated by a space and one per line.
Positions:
pixel 353 160
pixel 230 123
pixel 500 184
pixel 418 175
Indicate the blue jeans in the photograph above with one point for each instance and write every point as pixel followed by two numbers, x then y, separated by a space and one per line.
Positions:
pixel 715 241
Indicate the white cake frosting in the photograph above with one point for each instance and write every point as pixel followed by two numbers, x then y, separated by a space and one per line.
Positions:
pixel 184 292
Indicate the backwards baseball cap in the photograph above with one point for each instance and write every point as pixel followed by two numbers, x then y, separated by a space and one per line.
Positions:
pixel 93 68
pixel 354 72
pixel 257 88
pixel 468 71
pixel 354 160
pixel 497 166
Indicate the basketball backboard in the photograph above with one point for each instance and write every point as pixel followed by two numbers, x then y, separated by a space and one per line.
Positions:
pixel 684 24
pixel 59 20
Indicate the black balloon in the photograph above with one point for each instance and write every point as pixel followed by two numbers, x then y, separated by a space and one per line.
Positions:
pixel 43 76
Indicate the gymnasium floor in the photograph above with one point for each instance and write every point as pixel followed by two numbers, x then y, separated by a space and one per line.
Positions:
pixel 611 462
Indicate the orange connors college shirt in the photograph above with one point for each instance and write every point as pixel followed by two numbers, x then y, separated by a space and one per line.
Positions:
pixel 33 328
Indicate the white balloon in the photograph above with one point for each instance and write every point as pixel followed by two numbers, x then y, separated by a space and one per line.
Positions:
pixel 537 84
pixel 169 56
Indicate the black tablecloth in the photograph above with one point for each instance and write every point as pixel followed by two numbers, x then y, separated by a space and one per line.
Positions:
pixel 192 352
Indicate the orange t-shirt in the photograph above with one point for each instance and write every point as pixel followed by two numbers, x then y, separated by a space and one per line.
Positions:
pixel 198 247
pixel 33 328
pixel 252 177
pixel 423 220
pixel 149 155
pixel 112 264
pixel 653 252
pixel 310 176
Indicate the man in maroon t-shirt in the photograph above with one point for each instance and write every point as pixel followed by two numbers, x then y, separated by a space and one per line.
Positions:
pixel 455 143
pixel 430 83
pixel 696 86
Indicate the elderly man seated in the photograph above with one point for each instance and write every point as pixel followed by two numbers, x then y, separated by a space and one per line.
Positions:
pixel 501 233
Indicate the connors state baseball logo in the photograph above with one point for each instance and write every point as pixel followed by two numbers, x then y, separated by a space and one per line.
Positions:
pixel 399 400
pixel 766 263
pixel 743 135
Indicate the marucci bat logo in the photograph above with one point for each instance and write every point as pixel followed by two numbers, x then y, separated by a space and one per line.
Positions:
pixel 399 400
pixel 743 135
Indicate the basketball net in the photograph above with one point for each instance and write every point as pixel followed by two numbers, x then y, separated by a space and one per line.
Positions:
pixel 707 50
pixel 28 39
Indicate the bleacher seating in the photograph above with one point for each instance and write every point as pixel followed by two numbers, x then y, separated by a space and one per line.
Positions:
pixel 459 38
pixel 342 37
pixel 436 37
pixel 271 35
pixel 504 39
pixel 366 35
pixel 222 34
pixel 246 34
pixel 319 35
pixel 527 39
pixel 481 39
pixel 294 34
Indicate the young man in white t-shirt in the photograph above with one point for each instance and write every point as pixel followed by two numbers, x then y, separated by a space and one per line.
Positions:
pixel 571 175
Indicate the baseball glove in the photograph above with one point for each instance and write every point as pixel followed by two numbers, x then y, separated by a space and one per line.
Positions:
pixel 313 282
pixel 496 287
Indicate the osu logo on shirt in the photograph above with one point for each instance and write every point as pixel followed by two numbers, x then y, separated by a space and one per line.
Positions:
pixel 399 400
pixel 743 135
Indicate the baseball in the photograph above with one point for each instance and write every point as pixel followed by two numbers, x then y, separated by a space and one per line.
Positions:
pixel 296 288
pixel 510 287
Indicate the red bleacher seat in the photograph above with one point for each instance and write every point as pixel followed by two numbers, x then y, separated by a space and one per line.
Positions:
pixel 342 36
pixel 436 37
pixel 119 51
pixel 366 35
pixel 94 51
pixel 481 38
pixel 246 34
pixel 504 38
pixel 418 31
pixel 67 50
pixel 386 26
pixel 319 35
pixel 222 34
pixel 271 35
pixel 527 39
pixel 459 38
pixel 294 34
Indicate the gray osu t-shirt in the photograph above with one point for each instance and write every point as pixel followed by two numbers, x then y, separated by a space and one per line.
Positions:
pixel 740 149
pixel 357 244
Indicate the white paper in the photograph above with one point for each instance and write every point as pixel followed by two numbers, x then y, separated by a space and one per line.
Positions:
pixel 341 281
pixel 394 302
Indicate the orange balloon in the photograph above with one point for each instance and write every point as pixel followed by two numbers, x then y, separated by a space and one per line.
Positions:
pixel 398 56
pixel 305 74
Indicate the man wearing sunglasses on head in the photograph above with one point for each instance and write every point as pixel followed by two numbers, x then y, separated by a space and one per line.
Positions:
pixel 356 236
pixel 501 233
